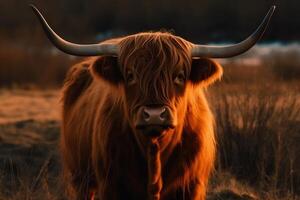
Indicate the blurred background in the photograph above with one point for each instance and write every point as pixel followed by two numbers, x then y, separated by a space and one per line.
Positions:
pixel 28 58
pixel 256 104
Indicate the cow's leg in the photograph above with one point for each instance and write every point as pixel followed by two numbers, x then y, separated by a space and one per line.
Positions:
pixel 154 171
pixel 192 191
pixel 196 191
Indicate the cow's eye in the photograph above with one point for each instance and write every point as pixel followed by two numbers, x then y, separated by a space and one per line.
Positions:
pixel 130 78
pixel 180 78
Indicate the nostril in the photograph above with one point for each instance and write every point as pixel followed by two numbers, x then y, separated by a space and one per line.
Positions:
pixel 163 114
pixel 146 115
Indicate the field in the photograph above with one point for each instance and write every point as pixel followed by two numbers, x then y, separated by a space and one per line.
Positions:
pixel 257 111
pixel 29 134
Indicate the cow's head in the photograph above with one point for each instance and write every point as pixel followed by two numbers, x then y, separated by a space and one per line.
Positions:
pixel 155 71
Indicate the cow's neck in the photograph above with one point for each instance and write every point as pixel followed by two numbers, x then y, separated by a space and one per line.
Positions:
pixel 156 152
pixel 167 143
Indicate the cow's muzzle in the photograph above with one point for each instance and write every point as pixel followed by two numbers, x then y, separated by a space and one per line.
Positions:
pixel 154 120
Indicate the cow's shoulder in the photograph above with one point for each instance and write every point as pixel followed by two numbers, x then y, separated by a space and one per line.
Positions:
pixel 78 79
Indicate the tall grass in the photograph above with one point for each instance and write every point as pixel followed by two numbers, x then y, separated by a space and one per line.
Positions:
pixel 29 163
pixel 259 137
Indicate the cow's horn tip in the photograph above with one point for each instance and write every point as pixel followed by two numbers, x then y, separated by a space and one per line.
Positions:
pixel 31 5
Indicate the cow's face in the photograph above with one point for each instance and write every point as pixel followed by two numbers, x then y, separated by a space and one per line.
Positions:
pixel 156 71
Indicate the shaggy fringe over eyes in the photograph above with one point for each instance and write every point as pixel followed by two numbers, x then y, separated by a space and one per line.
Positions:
pixel 155 57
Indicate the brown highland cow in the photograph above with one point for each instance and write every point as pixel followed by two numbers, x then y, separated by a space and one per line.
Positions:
pixel 136 123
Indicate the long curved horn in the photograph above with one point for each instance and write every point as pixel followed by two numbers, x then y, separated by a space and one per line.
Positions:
pixel 71 48
pixel 236 49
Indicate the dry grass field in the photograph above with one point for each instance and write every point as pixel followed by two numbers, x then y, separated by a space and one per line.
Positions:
pixel 258 131
pixel 257 111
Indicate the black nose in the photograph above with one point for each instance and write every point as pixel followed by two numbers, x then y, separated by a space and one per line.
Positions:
pixel 149 116
pixel 154 115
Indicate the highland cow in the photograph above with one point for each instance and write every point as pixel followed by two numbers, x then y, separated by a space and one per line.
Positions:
pixel 136 123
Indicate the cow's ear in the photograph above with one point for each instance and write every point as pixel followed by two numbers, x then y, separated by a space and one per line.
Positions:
pixel 107 68
pixel 205 71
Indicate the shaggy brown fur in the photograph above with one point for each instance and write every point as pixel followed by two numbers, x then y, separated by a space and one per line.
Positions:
pixel 102 150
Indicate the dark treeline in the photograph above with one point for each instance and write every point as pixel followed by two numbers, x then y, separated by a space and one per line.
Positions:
pixel 198 20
